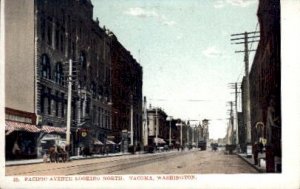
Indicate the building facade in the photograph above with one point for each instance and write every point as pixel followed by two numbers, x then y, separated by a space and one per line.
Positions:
pixel 42 39
pixel 265 84
pixel 157 125
pixel 127 98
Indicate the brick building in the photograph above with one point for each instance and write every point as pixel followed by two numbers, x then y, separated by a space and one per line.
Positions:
pixel 265 83
pixel 40 39
pixel 127 98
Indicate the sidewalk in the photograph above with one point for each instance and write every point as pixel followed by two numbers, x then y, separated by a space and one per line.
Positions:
pixel 40 160
pixel 250 161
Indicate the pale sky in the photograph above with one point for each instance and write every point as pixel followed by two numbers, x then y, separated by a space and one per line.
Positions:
pixel 185 50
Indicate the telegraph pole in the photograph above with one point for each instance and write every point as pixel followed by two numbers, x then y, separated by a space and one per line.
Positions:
pixel 244 37
pixel 236 116
pixel 145 128
pixel 131 120
pixel 70 79
pixel 156 128
pixel 235 113
pixel 231 122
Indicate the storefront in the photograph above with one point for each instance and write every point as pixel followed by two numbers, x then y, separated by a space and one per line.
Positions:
pixel 20 140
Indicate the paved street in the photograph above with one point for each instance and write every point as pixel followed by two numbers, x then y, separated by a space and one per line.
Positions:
pixel 174 162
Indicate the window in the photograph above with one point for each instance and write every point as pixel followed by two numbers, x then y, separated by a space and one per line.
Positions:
pixel 62 45
pixel 46 68
pixel 93 89
pixel 69 45
pixel 43 27
pixel 62 105
pixel 42 100
pixel 58 73
pixel 56 103
pixel 49 32
pixel 87 108
pixel 83 60
pixel 49 101
pixel 57 37
pixel 94 114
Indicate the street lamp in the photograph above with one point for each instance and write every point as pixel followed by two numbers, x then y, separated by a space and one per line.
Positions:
pixel 170 130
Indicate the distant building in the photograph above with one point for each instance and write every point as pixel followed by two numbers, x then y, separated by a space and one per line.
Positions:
pixel 205 123
pixel 156 125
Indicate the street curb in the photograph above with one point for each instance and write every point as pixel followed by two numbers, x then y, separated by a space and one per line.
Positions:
pixel 260 170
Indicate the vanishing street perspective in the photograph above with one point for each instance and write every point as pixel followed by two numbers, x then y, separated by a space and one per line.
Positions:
pixel 96 87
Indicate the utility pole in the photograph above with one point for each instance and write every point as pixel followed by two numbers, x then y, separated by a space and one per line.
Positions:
pixel 131 120
pixel 145 128
pixel 68 132
pixel 244 37
pixel 235 113
pixel 231 122
pixel 236 117
pixel 156 127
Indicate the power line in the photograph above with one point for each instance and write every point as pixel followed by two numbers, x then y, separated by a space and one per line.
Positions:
pixel 246 51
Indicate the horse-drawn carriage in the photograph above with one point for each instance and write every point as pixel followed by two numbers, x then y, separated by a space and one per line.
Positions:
pixel 57 154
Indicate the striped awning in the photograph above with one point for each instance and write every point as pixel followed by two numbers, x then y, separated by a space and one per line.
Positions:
pixel 51 129
pixel 11 126
pixel 110 142
pixel 97 142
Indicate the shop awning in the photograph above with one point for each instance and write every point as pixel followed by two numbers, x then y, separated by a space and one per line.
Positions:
pixel 97 142
pixel 51 129
pixel 110 142
pixel 11 126
pixel 159 141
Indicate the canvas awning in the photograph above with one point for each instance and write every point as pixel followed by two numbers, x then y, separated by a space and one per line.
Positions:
pixel 97 142
pixel 110 142
pixel 51 129
pixel 11 126
pixel 159 141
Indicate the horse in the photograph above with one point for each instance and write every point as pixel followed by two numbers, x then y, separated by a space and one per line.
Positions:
pixel 61 153
pixel 56 155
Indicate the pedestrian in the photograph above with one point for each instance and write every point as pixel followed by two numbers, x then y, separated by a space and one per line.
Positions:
pixel 16 150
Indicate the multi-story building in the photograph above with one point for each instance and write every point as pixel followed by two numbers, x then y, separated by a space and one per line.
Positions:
pixel 127 98
pixel 40 39
pixel 265 83
pixel 157 125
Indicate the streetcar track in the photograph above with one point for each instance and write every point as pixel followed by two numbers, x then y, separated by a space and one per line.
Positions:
pixel 125 165
pixel 151 158
pixel 125 161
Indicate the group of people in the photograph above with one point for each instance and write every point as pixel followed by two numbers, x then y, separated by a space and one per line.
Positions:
pixel 22 148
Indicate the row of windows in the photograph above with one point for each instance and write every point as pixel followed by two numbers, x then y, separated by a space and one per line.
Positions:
pixel 50 103
pixel 61 36
pixel 46 70
pixel 101 117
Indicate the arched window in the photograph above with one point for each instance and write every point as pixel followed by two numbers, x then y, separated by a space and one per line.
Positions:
pixel 46 67
pixel 59 73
